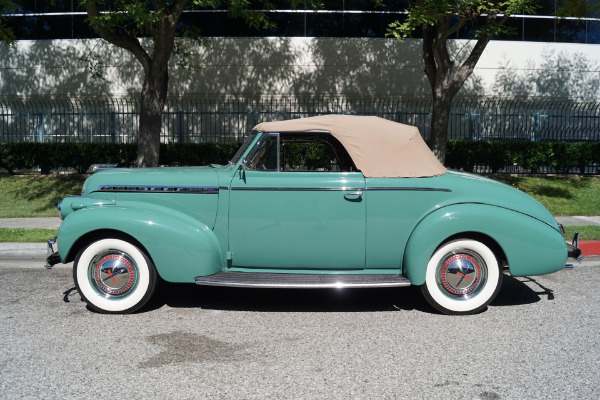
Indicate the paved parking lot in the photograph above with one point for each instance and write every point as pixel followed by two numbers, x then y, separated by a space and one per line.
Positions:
pixel 538 340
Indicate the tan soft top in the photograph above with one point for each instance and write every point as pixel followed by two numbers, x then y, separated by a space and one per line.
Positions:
pixel 379 148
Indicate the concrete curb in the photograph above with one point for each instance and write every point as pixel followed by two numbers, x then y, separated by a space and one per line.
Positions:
pixel 23 251
pixel 590 248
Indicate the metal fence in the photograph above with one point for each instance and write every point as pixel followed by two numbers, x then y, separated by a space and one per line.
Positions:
pixel 196 120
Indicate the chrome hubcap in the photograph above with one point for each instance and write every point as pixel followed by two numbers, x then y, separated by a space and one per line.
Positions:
pixel 113 274
pixel 461 274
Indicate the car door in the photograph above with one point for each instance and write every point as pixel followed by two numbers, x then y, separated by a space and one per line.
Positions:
pixel 295 220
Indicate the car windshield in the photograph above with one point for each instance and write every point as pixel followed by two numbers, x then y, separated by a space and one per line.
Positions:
pixel 243 149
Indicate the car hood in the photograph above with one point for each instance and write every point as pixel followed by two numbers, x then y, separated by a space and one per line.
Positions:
pixel 153 179
pixel 470 188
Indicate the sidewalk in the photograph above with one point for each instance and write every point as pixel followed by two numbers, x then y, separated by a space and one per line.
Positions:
pixel 30 223
pixel 37 251
pixel 578 221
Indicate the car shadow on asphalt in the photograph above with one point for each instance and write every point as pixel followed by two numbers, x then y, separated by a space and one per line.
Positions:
pixel 287 300
pixel 514 292
pixel 521 290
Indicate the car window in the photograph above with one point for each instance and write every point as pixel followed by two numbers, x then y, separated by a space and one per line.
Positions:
pixel 299 152
pixel 311 156
pixel 264 155
pixel 313 152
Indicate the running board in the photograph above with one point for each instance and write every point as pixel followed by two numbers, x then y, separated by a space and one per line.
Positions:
pixel 301 281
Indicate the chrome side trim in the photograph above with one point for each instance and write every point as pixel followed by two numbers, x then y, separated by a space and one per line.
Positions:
pixel 159 189
pixel 215 189
pixel 417 189
pixel 338 189
pixel 299 189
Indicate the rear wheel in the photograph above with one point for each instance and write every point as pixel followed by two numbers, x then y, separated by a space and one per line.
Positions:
pixel 463 277
pixel 114 276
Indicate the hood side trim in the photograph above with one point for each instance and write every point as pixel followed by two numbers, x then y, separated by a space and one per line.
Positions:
pixel 158 189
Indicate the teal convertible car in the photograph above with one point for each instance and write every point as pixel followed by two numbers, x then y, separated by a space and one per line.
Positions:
pixel 323 202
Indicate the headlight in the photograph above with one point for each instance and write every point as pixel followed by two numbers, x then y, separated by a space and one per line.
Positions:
pixel 58 207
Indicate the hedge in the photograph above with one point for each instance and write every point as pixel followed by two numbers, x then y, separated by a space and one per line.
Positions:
pixel 80 156
pixel 562 157
pixel 460 155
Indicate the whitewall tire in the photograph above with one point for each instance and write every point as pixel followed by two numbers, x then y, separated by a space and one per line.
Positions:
pixel 463 277
pixel 114 276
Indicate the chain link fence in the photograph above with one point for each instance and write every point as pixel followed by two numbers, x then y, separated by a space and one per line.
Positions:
pixel 198 120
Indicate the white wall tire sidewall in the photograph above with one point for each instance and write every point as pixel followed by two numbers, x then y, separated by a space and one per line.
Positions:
pixel 96 299
pixel 486 293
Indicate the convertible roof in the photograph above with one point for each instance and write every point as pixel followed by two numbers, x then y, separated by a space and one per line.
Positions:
pixel 380 148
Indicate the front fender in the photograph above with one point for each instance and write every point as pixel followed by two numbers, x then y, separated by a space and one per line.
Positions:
pixel 531 246
pixel 181 247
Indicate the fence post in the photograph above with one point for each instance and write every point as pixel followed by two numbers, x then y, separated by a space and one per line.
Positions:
pixel 40 129
pixel 180 135
pixel 111 127
pixel 71 120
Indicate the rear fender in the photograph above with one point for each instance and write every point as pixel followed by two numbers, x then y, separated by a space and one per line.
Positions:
pixel 531 246
pixel 180 246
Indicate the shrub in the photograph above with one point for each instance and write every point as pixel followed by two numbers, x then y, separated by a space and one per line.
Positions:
pixel 496 155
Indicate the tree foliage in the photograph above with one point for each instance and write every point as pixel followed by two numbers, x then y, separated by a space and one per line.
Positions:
pixel 147 29
pixel 579 9
pixel 7 35
pixel 439 21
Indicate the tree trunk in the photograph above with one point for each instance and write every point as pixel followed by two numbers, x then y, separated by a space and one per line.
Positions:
pixel 154 95
pixel 440 118
pixel 155 65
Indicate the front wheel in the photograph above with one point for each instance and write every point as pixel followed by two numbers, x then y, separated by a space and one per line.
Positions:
pixel 114 276
pixel 463 277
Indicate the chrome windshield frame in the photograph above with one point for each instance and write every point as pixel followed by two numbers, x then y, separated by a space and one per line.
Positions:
pixel 239 155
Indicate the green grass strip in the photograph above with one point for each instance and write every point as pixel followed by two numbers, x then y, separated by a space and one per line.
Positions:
pixel 562 196
pixel 585 232
pixel 35 195
pixel 26 235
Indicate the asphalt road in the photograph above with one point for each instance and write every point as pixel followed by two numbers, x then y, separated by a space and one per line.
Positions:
pixel 539 340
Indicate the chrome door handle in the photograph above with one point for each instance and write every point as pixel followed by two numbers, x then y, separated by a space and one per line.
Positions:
pixel 353 195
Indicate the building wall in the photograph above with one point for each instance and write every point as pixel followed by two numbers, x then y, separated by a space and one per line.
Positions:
pixel 303 68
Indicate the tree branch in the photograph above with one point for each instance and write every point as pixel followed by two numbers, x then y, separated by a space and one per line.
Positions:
pixel 441 54
pixel 124 41
pixel 177 6
pixel 164 39
pixel 468 66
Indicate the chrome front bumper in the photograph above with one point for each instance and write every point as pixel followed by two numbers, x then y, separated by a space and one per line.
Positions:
pixel 52 256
